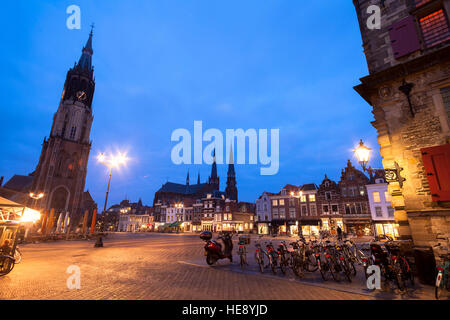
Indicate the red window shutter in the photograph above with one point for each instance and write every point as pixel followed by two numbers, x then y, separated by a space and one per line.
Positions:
pixel 404 37
pixel 436 161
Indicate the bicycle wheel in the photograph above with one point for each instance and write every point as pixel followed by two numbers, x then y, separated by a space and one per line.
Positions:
pixel 335 270
pixel 346 270
pixel 438 292
pixel 311 263
pixel 400 282
pixel 6 265
pixel 273 265
pixel 261 265
pixel 352 268
pixel 323 268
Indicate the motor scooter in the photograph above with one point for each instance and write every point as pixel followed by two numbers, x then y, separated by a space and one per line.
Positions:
pixel 214 250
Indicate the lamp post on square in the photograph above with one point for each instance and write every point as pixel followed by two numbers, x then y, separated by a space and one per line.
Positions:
pixel 111 162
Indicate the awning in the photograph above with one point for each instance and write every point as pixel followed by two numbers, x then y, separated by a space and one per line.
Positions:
pixel 175 224
pixel 10 210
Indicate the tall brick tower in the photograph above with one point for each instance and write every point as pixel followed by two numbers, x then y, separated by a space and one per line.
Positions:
pixel 61 171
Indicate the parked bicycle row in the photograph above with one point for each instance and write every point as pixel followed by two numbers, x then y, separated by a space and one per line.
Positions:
pixel 333 259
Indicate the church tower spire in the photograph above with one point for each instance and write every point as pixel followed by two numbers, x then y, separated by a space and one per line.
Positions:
pixel 187 178
pixel 62 167
pixel 231 189
pixel 198 178
pixel 85 62
pixel 214 178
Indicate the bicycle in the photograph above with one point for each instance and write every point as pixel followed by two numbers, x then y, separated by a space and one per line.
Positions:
pixel 347 266
pixel 242 255
pixel 353 252
pixel 283 260
pixel 296 259
pixel 442 277
pixel 332 257
pixel 390 267
pixel 272 256
pixel 400 263
pixel 259 255
pixel 308 257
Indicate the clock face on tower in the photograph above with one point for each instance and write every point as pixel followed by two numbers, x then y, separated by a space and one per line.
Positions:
pixel 81 95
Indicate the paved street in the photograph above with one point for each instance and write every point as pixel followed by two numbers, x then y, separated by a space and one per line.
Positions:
pixel 155 266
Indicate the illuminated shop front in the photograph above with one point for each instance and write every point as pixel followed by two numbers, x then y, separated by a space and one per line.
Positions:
pixel 331 224
pixel 387 228
pixel 359 227
pixel 263 228
pixel 310 230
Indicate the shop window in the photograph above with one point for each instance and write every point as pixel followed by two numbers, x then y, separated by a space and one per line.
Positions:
pixel 435 28
pixel 436 161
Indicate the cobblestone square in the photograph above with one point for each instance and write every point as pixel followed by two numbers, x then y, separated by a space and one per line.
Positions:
pixel 149 266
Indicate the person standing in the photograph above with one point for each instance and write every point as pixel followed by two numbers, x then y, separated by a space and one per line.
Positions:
pixel 339 233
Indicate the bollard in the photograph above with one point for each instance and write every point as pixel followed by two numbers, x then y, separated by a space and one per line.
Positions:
pixel 99 242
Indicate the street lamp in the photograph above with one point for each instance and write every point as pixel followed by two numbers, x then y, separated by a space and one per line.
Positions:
pixel 362 153
pixel 36 196
pixel 111 162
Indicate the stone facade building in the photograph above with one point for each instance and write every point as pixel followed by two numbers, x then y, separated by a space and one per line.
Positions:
pixel 408 87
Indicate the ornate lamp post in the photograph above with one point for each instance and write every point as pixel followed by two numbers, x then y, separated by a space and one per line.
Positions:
pixel 391 175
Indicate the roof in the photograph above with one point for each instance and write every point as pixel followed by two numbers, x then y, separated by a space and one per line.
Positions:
pixel 181 188
pixel 309 187
pixel 290 186
pixel 19 183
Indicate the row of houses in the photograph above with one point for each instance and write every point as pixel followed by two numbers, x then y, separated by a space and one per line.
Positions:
pixel 357 204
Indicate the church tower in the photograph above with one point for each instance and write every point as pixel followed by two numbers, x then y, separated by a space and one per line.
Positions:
pixel 231 189
pixel 214 178
pixel 61 171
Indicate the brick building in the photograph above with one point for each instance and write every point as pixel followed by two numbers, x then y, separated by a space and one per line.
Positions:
pixel 408 87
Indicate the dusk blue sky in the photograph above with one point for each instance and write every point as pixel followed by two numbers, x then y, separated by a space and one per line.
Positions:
pixel 160 65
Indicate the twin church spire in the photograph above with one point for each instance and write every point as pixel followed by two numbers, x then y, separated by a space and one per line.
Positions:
pixel 231 189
